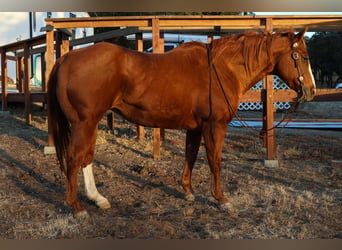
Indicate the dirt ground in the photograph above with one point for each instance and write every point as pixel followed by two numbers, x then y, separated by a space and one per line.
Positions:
pixel 300 199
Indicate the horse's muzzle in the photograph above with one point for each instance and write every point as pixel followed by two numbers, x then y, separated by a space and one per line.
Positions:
pixel 306 94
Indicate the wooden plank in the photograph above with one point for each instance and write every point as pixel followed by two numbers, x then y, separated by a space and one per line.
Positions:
pixel 104 36
pixel 328 95
pixel 4 79
pixel 17 97
pixel 27 91
pixel 316 23
pixel 289 95
pixel 140 47
pixel 110 120
pixel 38 97
pixel 209 22
pixel 49 64
pixel 21 74
pixel 64 44
pixel 158 47
pixel 270 136
pixel 79 23
pixel 20 45
pixel 43 69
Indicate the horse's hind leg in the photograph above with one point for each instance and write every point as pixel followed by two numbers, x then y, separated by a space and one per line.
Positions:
pixel 80 153
pixel 193 140
pixel 91 189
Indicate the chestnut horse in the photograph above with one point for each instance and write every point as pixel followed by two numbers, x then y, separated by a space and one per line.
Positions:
pixel 196 87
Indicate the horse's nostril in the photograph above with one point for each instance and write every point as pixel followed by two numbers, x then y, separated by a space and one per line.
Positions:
pixel 313 91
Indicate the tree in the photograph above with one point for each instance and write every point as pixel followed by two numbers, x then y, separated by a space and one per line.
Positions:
pixel 325 49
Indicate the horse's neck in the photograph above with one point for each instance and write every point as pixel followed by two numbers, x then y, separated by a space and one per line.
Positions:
pixel 245 65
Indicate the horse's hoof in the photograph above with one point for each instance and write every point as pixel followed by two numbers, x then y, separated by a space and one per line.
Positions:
pixel 190 197
pixel 82 215
pixel 103 204
pixel 227 207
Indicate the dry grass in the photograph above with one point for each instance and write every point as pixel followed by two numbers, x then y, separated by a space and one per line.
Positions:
pixel 301 199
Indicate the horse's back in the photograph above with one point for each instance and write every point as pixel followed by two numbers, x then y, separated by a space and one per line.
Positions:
pixel 149 89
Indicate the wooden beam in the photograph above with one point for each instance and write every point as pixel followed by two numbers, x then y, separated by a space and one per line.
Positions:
pixel 20 45
pixel 43 69
pixel 21 74
pixel 27 91
pixel 3 80
pixel 315 23
pixel 50 54
pixel 59 23
pixel 158 47
pixel 269 132
pixel 140 47
pixel 289 95
pixel 104 36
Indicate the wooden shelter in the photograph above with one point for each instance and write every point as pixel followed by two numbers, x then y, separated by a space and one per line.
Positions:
pixel 57 40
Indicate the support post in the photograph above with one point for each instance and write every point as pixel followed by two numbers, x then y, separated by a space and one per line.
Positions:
pixel 110 120
pixel 43 69
pixel 268 112
pixel 3 80
pixel 158 47
pixel 27 90
pixel 140 47
pixel 49 64
pixel 210 38
pixel 268 122
pixel 21 74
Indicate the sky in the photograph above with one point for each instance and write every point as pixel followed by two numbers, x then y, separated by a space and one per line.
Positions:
pixel 14 26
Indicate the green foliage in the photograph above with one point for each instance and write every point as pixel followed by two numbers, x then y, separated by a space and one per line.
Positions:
pixel 325 49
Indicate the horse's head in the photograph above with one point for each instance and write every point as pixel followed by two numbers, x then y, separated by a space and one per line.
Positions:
pixel 293 66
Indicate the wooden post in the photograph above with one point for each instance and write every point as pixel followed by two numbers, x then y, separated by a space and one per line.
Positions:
pixel 62 43
pixel 210 38
pixel 43 69
pixel 17 72
pixel 27 90
pixel 21 74
pixel 158 47
pixel 140 47
pixel 270 136
pixel 3 80
pixel 110 120
pixel 268 113
pixel 50 55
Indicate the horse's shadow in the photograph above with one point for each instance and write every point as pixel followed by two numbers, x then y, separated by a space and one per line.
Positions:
pixel 167 189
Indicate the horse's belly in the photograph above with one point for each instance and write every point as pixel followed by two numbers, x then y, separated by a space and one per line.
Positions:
pixel 158 118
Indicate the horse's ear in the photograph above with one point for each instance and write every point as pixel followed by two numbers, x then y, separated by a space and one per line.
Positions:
pixel 300 35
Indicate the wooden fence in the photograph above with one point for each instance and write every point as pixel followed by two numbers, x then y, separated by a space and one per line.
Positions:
pixel 57 43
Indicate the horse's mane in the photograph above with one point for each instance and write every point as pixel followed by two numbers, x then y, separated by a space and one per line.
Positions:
pixel 252 45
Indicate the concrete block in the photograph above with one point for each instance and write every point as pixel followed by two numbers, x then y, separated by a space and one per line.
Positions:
pixel 49 150
pixel 271 163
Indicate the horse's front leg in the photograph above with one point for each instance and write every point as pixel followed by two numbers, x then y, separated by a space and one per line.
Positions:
pixel 213 134
pixel 193 140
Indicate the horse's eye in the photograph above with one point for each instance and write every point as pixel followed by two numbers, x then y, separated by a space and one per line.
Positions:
pixel 305 58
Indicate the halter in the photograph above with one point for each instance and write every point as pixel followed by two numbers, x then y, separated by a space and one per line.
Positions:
pixel 295 56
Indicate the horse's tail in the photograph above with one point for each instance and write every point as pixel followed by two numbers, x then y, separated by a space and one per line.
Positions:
pixel 60 126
